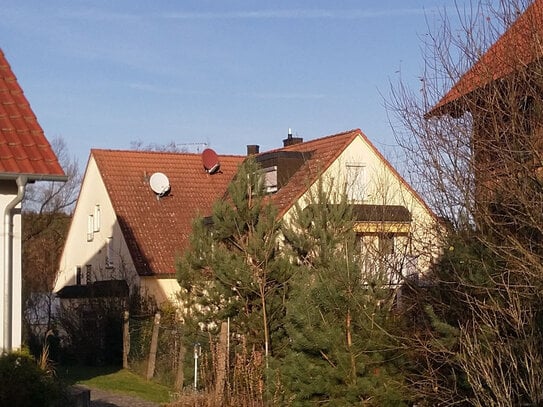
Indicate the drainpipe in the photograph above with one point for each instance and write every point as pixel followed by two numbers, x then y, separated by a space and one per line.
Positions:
pixel 8 262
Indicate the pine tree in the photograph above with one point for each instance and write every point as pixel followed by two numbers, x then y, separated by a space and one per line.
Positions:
pixel 341 350
pixel 233 270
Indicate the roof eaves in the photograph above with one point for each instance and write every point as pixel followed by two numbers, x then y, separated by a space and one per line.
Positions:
pixel 509 53
pixel 33 177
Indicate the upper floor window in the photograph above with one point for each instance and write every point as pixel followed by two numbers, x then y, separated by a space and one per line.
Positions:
pixel 386 244
pixel 356 181
pixel 269 179
pixel 96 219
pixel 90 228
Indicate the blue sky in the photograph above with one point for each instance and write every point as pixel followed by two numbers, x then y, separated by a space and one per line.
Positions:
pixel 103 73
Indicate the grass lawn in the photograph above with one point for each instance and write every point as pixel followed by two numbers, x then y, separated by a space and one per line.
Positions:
pixel 116 380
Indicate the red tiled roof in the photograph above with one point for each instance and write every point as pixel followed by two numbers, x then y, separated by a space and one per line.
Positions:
pixel 157 230
pixel 23 146
pixel 324 151
pixel 519 46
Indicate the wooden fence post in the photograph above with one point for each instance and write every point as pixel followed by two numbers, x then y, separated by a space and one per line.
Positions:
pixel 180 376
pixel 126 340
pixel 221 365
pixel 153 349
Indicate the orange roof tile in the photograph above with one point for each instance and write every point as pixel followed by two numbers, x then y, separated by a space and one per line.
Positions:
pixel 519 46
pixel 157 230
pixel 23 146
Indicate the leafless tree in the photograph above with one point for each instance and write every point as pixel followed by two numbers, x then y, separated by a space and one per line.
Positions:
pixel 477 155
pixel 170 147
pixel 55 196
pixel 46 215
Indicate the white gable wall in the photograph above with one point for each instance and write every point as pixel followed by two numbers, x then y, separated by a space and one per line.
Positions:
pixel 161 288
pixel 378 184
pixel 102 254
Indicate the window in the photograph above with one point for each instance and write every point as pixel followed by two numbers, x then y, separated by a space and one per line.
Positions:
pixel 356 181
pixel 269 179
pixel 109 253
pixel 90 228
pixel 78 275
pixel 96 220
pixel 386 244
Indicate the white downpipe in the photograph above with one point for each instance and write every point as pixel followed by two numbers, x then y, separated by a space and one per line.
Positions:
pixel 8 262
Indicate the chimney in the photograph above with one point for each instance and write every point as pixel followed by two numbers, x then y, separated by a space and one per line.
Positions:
pixel 289 141
pixel 253 149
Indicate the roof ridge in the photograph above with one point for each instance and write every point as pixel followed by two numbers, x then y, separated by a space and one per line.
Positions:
pixel 313 141
pixel 124 151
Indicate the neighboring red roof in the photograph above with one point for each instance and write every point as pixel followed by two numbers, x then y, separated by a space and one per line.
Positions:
pixel 23 146
pixel 519 46
pixel 157 230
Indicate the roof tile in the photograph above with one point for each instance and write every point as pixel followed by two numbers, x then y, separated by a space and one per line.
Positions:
pixel 323 153
pixel 23 146
pixel 145 219
pixel 519 46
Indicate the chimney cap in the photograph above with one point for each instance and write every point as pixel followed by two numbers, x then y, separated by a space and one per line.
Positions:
pixel 253 149
pixel 289 141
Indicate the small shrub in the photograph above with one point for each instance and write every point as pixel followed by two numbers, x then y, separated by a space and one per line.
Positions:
pixel 24 383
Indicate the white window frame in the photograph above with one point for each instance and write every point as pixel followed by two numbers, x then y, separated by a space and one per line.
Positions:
pixel 90 228
pixel 96 220
pixel 356 181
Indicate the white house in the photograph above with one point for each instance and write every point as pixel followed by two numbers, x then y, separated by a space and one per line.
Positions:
pixel 135 210
pixel 123 229
pixel 25 156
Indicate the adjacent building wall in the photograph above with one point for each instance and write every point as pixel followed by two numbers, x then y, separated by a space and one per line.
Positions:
pixel 8 191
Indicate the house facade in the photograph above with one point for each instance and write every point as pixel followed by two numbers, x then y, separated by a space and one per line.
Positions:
pixel 125 228
pixel 399 234
pixel 25 156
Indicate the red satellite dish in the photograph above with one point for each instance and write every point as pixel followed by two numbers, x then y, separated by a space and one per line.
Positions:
pixel 211 161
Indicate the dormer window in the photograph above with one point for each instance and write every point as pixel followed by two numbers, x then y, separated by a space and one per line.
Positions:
pixel 269 179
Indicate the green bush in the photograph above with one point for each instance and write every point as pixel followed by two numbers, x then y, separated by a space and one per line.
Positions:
pixel 24 383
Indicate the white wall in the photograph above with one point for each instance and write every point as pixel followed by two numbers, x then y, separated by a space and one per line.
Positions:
pixel 382 186
pixel 80 252
pixel 8 191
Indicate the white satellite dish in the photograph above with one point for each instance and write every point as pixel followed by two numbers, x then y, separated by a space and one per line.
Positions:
pixel 159 183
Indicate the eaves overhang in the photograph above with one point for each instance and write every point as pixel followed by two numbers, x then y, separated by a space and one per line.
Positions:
pixel 33 177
